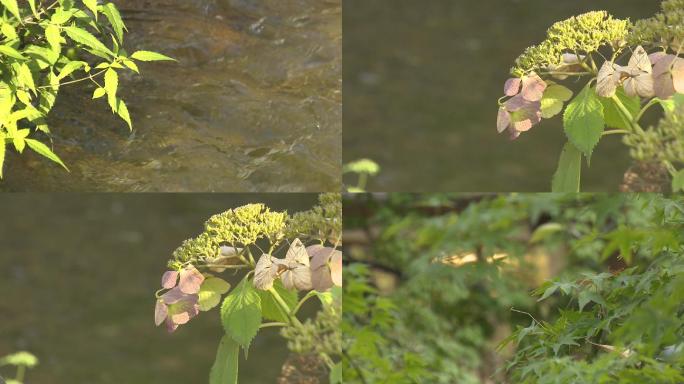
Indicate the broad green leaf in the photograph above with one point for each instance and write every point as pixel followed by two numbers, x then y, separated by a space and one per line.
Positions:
pixel 678 181
pixel 111 84
pixel 132 65
pixel 43 150
pixel 150 56
pixel 26 77
pixel 552 102
pixel 112 13
pixel 336 374
pixel 210 292
pixel 270 309
pixel 585 297
pixel 86 38
pixel 241 313
pixel 52 34
pixel 122 111
pixel 225 368
pixel 92 6
pixel 69 68
pixel 11 52
pixel 583 120
pixel 2 152
pixel 99 92
pixel 13 7
pixel 9 31
pixel 548 292
pixel 567 176
pixel 613 117
pixel 19 139
pixel 61 16
pixel 671 104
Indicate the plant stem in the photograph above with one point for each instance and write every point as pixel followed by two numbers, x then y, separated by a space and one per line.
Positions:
pixel 21 372
pixel 302 301
pixel 363 180
pixel 283 305
pixel 645 108
pixel 615 132
pixel 267 325
pixel 627 115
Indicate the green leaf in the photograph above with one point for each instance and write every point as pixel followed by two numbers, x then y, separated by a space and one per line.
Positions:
pixel 678 181
pixel 150 56
pixel 122 111
pixel 225 368
pixel 43 150
pixel 241 313
pixel 585 297
pixel 69 68
pixel 92 6
pixel 19 139
pixel 32 4
pixel 111 84
pixel 13 7
pixel 86 38
pixel 99 92
pixel 114 17
pixel 210 292
pixel 549 291
pixel 583 120
pixel 336 374
pixel 567 176
pixel 25 77
pixel 11 52
pixel 612 115
pixel 270 309
pixel 54 38
pixel 552 102
pixel 671 104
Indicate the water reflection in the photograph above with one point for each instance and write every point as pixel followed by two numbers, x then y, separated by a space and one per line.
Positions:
pixel 421 84
pixel 254 104
pixel 79 274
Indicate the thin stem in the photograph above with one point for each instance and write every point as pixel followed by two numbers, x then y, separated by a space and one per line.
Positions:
pixel 363 180
pixel 283 305
pixel 627 115
pixel 615 132
pixel 302 301
pixel 21 372
pixel 645 108
pixel 268 325
pixel 89 77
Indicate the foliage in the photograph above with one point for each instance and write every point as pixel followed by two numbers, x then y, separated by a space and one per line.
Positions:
pixel 47 45
pixel 364 168
pixel 466 265
pixel 268 294
pixel 616 95
pixel 22 361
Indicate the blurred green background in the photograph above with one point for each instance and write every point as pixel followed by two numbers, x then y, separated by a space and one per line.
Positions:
pixel 78 275
pixel 421 82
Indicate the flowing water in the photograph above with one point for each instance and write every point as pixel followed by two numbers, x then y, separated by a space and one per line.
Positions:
pixel 422 79
pixel 78 274
pixel 254 104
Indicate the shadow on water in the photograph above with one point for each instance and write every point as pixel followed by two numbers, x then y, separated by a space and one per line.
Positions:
pixel 421 84
pixel 79 274
pixel 254 104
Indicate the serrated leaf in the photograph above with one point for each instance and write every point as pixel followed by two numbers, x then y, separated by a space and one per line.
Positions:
pixel 86 38
pixel 13 7
pixel 54 38
pixel 585 297
pixel 26 77
pixel 69 68
pixel 549 291
pixel 583 120
pixel 11 52
pixel 225 368
pixel 270 309
pixel 150 56
pixel 568 174
pixel 43 150
pixel 612 115
pixel 92 6
pixel 241 313
pixel 112 13
pixel 99 92
pixel 111 85
pixel 122 111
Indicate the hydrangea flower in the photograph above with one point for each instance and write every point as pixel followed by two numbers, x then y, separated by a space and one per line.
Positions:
pixel 326 267
pixel 523 110
pixel 180 303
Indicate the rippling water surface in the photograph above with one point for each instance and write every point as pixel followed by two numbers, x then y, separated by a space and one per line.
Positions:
pixel 254 104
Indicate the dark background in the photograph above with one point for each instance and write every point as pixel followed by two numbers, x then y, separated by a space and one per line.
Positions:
pixel 421 83
pixel 78 275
